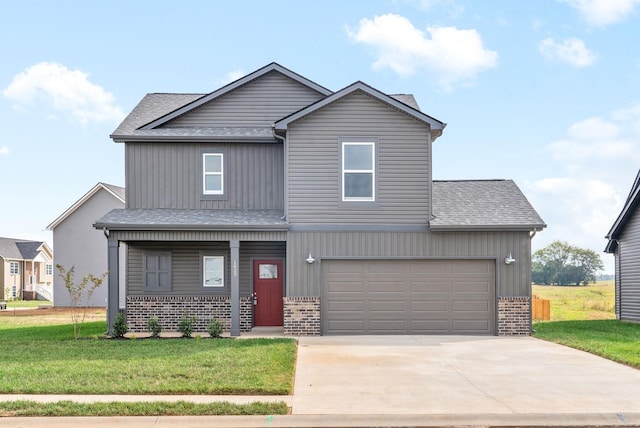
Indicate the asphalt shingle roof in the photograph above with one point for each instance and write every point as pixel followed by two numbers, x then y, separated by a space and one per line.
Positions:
pixel 165 218
pixel 19 249
pixel 482 205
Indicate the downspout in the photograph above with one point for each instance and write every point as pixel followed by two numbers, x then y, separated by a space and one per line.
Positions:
pixel 285 181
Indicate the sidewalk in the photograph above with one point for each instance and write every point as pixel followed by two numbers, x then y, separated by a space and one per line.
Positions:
pixel 331 421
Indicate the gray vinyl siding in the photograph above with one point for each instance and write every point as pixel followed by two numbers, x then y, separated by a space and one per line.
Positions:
pixel 78 244
pixel 169 175
pixel 259 103
pixel 402 175
pixel 512 280
pixel 186 264
pixel 629 255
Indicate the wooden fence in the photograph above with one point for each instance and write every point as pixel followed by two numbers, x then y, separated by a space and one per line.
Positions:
pixel 541 309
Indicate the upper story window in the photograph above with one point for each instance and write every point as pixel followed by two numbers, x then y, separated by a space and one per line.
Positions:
pixel 358 171
pixel 213 173
pixel 14 268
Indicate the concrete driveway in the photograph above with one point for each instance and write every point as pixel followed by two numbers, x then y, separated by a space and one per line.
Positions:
pixel 411 375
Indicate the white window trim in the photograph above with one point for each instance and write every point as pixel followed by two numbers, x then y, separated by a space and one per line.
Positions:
pixel 372 171
pixel 11 269
pixel 205 174
pixel 204 272
pixel 48 269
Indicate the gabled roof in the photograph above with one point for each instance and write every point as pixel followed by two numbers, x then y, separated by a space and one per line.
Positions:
pixel 192 219
pixel 435 125
pixel 482 205
pixel 627 211
pixel 21 249
pixel 235 85
pixel 155 110
pixel 117 192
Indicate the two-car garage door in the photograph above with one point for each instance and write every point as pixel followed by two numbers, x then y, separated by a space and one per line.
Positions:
pixel 408 297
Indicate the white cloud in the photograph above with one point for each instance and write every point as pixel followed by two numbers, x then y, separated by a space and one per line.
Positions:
pixel 594 167
pixel 594 129
pixel 66 91
pixel 572 51
pixel 579 210
pixel 600 13
pixel 454 56
pixel 4 150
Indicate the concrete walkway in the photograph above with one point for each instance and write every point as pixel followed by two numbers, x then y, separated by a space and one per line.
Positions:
pixel 428 381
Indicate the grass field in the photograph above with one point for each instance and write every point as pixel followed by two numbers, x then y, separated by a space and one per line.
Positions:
pixel 584 318
pixel 94 365
pixel 593 302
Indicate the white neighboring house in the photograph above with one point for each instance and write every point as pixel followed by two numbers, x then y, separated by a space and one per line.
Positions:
pixel 77 243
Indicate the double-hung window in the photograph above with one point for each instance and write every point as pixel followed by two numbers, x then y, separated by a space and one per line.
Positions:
pixel 213 173
pixel 14 268
pixel 213 271
pixel 48 269
pixel 358 171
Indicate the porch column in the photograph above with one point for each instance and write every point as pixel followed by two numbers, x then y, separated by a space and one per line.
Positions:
pixel 235 287
pixel 113 283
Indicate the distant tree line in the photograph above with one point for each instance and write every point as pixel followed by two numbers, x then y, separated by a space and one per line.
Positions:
pixel 562 264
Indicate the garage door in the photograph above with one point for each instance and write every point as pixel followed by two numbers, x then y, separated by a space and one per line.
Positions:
pixel 408 297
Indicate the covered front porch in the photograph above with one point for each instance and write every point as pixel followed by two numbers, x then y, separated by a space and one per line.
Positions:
pixel 207 271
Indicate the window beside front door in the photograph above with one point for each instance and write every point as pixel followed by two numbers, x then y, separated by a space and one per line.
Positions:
pixel 358 171
pixel 213 271
pixel 156 271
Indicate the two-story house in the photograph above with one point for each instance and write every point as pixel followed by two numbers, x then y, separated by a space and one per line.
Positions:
pixel 26 269
pixel 274 201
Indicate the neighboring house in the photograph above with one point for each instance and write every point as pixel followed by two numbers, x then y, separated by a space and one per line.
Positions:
pixel 624 244
pixel 26 269
pixel 79 245
pixel 274 201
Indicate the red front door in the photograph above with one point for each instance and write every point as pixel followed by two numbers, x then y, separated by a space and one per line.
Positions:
pixel 268 292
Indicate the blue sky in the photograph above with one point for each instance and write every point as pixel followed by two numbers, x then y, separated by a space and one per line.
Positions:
pixel 544 92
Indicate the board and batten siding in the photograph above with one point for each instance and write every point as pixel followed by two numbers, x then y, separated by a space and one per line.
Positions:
pixel 402 172
pixel 629 255
pixel 258 103
pixel 513 280
pixel 186 278
pixel 169 175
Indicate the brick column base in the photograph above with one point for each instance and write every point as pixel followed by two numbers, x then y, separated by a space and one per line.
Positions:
pixel 302 316
pixel 514 316
pixel 169 310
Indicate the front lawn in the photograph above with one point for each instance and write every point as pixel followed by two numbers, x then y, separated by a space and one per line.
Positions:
pixel 154 408
pixel 47 360
pixel 611 339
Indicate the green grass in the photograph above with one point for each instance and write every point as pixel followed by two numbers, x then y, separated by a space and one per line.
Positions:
pixel 31 355
pixel 155 408
pixel 27 303
pixel 593 302
pixel 612 339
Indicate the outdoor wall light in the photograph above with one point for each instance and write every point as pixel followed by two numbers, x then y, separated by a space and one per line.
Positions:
pixel 509 259
pixel 310 259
